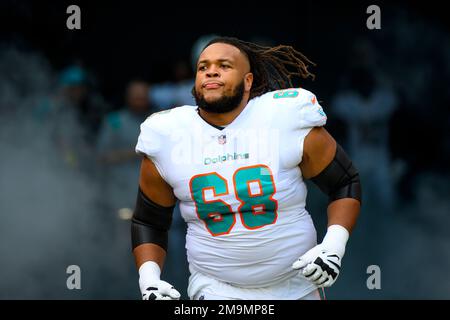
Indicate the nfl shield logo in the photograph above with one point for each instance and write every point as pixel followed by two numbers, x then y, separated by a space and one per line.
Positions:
pixel 222 139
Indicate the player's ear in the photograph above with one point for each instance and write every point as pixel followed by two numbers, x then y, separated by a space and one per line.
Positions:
pixel 248 81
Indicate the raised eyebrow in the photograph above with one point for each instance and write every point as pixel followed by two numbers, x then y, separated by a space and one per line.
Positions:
pixel 218 60
pixel 225 60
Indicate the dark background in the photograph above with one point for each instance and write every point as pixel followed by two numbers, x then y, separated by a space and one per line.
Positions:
pixel 122 41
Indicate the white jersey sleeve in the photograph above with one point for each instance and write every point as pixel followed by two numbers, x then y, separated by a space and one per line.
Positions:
pixel 154 132
pixel 149 141
pixel 309 112
pixel 309 115
pixel 302 108
pixel 296 111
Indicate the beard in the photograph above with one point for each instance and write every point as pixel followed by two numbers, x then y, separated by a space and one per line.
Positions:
pixel 224 104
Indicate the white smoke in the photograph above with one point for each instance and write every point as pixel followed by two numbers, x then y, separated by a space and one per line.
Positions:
pixel 50 210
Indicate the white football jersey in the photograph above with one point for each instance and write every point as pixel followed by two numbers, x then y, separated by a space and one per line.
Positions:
pixel 240 189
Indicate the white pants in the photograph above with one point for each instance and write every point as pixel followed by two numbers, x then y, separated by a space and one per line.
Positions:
pixel 202 287
pixel 314 295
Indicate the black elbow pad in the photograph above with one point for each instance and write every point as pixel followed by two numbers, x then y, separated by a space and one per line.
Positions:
pixel 339 179
pixel 142 233
pixel 150 222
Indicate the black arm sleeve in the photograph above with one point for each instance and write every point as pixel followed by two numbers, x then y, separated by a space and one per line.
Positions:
pixel 339 179
pixel 150 222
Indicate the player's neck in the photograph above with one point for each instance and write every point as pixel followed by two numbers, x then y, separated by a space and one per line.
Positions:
pixel 223 119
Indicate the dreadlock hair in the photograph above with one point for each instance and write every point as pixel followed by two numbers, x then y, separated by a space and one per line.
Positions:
pixel 273 67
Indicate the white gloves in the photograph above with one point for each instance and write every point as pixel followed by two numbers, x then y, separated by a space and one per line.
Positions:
pixel 152 287
pixel 322 264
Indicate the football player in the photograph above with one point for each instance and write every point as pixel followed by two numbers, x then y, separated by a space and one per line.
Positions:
pixel 236 163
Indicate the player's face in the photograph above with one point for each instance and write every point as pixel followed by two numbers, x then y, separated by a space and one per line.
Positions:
pixel 223 78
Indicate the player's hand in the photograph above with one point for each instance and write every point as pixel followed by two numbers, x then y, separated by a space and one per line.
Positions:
pixel 152 287
pixel 322 264
pixel 160 290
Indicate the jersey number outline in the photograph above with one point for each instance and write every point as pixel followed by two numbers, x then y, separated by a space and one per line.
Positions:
pixel 255 210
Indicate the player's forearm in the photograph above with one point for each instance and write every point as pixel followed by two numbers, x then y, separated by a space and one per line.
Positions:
pixel 344 212
pixel 149 230
pixel 149 252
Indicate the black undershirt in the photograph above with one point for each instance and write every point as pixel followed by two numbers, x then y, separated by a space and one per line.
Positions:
pixel 215 126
